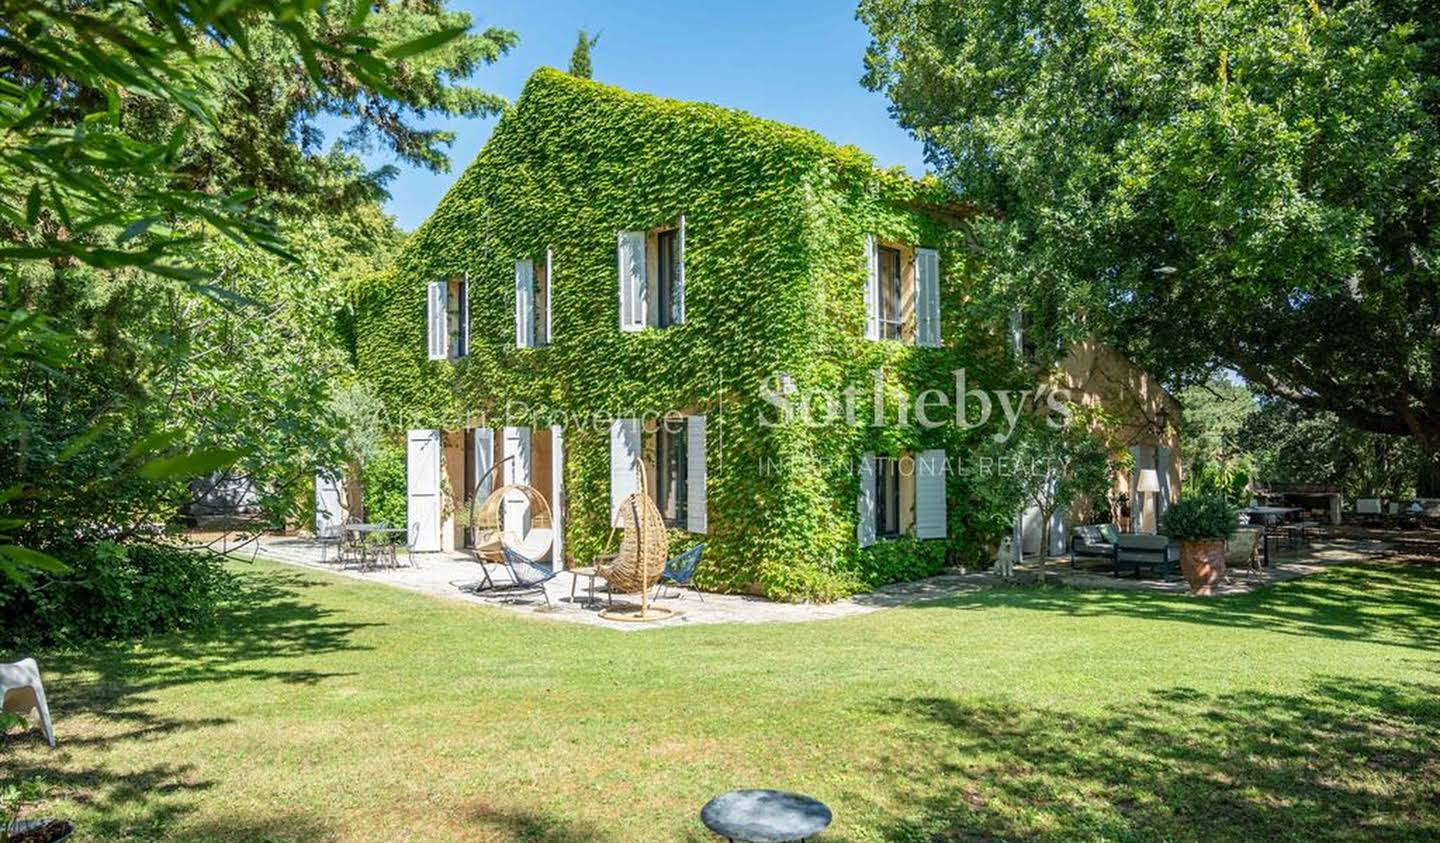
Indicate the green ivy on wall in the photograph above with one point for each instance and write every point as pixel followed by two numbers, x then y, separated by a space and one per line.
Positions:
pixel 775 223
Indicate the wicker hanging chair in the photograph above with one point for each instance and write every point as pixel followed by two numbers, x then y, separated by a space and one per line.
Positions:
pixel 643 546
pixel 487 522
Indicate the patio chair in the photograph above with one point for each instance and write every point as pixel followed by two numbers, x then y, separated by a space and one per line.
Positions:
pixel 1093 541
pixel 680 572
pixel 1134 551
pixel 1242 550
pixel 527 574
pixel 21 692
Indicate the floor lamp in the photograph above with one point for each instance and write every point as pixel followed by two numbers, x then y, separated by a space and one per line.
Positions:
pixel 1147 484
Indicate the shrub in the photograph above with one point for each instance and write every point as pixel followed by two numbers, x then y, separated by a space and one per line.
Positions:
pixel 1200 518
pixel 114 591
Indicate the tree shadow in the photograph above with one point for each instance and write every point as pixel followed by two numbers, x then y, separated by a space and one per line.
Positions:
pixel 1389 602
pixel 532 825
pixel 267 620
pixel 1346 760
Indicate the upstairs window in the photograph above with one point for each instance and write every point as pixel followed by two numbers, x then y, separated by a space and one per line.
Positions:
pixel 651 276
pixel 902 294
pixel 890 282
pixel 532 302
pixel 448 319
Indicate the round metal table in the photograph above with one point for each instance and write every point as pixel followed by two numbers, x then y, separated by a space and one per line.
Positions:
pixel 764 816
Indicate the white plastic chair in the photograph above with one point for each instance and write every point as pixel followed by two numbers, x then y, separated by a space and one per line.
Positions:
pixel 21 693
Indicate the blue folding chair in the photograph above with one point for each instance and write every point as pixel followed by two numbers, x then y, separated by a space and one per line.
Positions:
pixel 680 572
pixel 527 574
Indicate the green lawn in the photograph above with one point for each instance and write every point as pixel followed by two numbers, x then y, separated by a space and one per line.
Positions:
pixel 329 709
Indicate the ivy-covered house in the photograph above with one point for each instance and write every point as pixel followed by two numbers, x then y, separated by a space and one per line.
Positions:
pixel 624 289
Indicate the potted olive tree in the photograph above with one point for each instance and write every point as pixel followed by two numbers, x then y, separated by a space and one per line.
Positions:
pixel 1201 524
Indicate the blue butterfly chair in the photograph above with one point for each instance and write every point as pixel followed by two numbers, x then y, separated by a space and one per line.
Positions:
pixel 527 574
pixel 680 572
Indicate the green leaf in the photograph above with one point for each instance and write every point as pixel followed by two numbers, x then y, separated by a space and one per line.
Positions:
pixel 425 43
pixel 135 229
pixel 155 442
pixel 32 204
pixel 24 557
pixel 192 464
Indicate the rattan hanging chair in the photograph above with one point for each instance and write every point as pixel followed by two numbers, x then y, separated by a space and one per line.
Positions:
pixel 487 523
pixel 640 560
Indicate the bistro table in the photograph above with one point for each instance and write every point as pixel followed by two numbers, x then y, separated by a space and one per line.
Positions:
pixel 364 531
pixel 1269 517
pixel 764 816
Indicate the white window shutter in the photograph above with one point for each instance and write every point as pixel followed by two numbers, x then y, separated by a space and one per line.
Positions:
pixel 524 304
pixel 1017 334
pixel 549 295
pixel 422 480
pixel 697 519
pixel 465 315
pixel 865 506
pixel 624 463
pixel 872 289
pixel 437 307
pixel 557 495
pixel 329 512
pixel 680 273
pixel 515 449
pixel 484 463
pixel 634 300
pixel 927 298
pixel 930 495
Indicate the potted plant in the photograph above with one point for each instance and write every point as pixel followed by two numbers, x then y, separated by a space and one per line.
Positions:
pixel 1201 524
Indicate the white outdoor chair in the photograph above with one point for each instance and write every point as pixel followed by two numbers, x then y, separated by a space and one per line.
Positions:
pixel 21 693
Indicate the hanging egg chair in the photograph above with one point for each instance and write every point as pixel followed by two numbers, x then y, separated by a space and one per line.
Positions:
pixel 640 560
pixel 488 517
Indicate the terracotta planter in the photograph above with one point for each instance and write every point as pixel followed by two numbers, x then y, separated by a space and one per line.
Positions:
pixel 1203 563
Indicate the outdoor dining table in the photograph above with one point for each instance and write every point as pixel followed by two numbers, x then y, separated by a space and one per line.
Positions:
pixel 364 531
pixel 765 816
pixel 1270 517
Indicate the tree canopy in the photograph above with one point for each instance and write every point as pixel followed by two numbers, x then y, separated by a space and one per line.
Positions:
pixel 1206 183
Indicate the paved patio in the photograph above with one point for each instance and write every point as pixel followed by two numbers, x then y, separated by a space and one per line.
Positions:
pixel 441 574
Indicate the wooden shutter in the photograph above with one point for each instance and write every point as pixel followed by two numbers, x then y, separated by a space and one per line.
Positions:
pixel 930 495
pixel 465 314
pixel 872 289
pixel 865 503
pixel 624 463
pixel 557 495
pixel 329 514
pixel 549 296
pixel 516 452
pixel 680 273
pixel 927 298
pixel 524 304
pixel 634 300
pixel 436 316
pixel 697 519
pixel 422 480
pixel 484 439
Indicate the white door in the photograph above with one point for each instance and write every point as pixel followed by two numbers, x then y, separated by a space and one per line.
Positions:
pixel 422 475
pixel 515 518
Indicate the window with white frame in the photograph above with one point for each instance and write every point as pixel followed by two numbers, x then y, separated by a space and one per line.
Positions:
pixel 651 274
pixel 448 319
pixel 901 495
pixel 670 455
pixel 902 293
pixel 532 301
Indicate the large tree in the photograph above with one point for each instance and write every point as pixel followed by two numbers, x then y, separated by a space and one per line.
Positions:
pixel 175 238
pixel 1243 183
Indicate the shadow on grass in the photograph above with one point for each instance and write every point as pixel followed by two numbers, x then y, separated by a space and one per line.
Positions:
pixel 531 826
pixel 267 623
pixel 1349 760
pixel 1389 602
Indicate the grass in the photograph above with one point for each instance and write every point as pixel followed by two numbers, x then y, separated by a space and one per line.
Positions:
pixel 327 709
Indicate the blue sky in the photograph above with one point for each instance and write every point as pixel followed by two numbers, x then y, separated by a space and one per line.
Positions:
pixel 797 61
